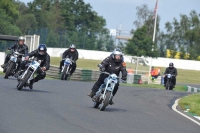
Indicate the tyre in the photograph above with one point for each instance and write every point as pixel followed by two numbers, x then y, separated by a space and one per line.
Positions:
pixel 106 101
pixel 23 81
pixel 66 76
pixel 96 104
pixel 9 70
pixel 64 73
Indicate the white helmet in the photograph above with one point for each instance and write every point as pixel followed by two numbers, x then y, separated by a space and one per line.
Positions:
pixel 117 51
pixel 21 38
pixel 72 46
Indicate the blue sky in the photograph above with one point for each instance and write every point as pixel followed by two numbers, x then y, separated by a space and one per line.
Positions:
pixel 123 12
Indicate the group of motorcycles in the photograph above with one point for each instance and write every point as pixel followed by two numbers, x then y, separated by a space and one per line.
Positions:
pixel 23 77
pixel 103 96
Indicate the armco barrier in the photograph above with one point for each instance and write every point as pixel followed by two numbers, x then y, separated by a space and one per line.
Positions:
pixel 192 89
pixel 91 75
pixel 79 74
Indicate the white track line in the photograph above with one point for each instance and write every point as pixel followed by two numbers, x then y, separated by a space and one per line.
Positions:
pixel 174 108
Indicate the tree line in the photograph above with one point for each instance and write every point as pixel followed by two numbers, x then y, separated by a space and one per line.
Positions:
pixel 62 22
pixel 180 38
pixel 58 22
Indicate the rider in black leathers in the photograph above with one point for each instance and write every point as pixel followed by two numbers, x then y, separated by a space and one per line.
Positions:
pixel 112 64
pixel 20 47
pixel 171 70
pixel 38 54
pixel 70 53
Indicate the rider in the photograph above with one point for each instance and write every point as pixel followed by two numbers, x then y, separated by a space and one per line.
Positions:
pixel 112 64
pixel 171 70
pixel 39 54
pixel 70 53
pixel 20 47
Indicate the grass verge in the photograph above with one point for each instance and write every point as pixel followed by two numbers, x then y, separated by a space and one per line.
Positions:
pixel 184 76
pixel 1 73
pixel 156 86
pixel 192 102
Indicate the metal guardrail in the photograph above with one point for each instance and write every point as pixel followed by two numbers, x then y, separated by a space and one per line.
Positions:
pixel 79 74
pixel 91 75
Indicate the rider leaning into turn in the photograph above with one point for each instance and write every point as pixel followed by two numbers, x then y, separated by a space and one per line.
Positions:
pixel 39 54
pixel 70 53
pixel 112 64
pixel 20 47
pixel 171 70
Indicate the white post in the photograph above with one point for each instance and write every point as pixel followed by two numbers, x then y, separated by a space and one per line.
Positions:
pixel 137 65
pixel 154 31
pixel 149 71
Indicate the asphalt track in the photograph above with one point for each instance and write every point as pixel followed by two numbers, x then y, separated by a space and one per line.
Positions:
pixel 55 106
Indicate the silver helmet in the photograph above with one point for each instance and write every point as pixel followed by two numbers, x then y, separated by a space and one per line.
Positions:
pixel 72 46
pixel 21 38
pixel 117 51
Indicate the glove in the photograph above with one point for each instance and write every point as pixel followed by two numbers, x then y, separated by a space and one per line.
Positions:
pixel 102 69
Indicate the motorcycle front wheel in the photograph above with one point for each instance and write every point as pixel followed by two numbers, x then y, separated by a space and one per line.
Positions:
pixel 64 75
pixel 106 101
pixel 23 81
pixel 8 70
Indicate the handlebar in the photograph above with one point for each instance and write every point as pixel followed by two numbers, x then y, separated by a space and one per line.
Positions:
pixel 105 72
pixel 70 60
pixel 171 75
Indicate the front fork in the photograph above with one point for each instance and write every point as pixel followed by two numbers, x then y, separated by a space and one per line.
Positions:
pixel 111 88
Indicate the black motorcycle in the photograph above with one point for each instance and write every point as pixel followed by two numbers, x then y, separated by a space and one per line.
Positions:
pixel 169 84
pixel 11 67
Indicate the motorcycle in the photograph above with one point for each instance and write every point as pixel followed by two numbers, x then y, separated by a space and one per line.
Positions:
pixel 28 74
pixel 169 84
pixel 66 68
pixel 104 94
pixel 11 66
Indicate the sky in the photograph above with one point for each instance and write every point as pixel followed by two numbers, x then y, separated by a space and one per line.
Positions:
pixel 123 12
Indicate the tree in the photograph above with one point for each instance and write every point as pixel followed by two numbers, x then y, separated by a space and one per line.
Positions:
pixel 141 44
pixel 6 26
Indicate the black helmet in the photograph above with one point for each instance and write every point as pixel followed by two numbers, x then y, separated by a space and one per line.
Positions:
pixel 117 51
pixel 72 46
pixel 42 47
pixel 171 65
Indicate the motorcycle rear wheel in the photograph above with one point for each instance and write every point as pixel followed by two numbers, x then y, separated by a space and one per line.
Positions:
pixel 96 104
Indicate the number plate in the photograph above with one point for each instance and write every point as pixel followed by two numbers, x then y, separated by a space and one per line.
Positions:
pixel 35 64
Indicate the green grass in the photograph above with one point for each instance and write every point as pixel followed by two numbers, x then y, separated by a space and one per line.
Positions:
pixel 92 64
pixel 184 76
pixel 156 86
pixel 1 73
pixel 192 102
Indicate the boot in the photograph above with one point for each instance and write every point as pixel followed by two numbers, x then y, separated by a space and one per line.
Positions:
pixel 3 65
pixel 31 84
pixel 91 94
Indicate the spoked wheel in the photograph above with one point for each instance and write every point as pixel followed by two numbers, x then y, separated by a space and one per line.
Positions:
pixel 8 70
pixel 167 85
pixel 105 102
pixel 23 81
pixel 64 74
